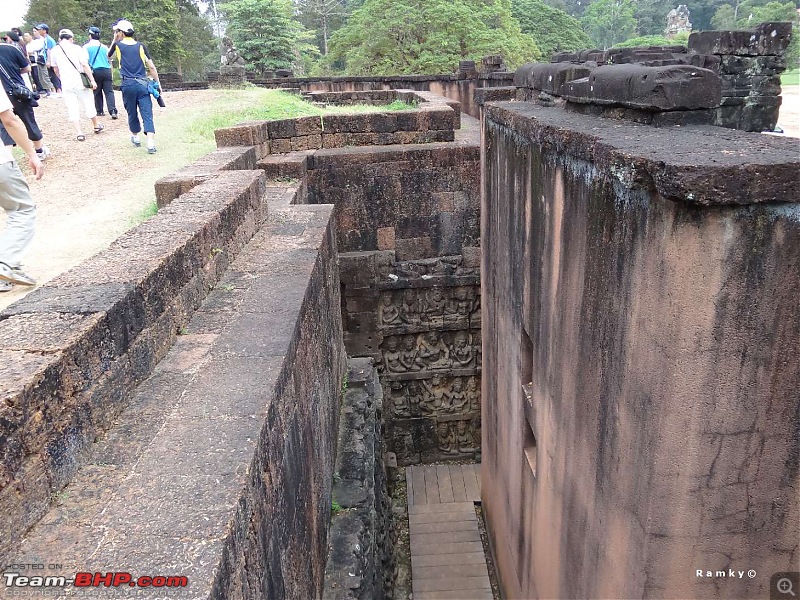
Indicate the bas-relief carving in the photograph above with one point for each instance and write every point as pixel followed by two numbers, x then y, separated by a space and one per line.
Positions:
pixel 436 396
pixel 430 306
pixel 458 437
pixel 443 266
pixel 431 351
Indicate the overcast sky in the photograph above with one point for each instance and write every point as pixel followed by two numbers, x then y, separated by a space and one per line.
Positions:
pixel 11 13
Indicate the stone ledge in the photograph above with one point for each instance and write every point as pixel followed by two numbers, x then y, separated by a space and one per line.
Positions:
pixel 220 469
pixel 78 344
pixel 695 164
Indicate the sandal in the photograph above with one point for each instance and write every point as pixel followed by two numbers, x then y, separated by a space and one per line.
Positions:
pixel 81 138
pixel 98 129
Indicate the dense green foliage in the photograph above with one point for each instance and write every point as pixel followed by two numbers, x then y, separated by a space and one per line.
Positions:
pixel 428 36
pixel 552 29
pixel 266 34
pixel 682 39
pixel 177 35
pixel 609 22
pixel 747 13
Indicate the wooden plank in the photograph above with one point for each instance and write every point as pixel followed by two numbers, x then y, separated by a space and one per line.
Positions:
pixel 409 487
pixel 442 517
pixel 442 508
pixel 445 487
pixel 471 483
pixel 442 571
pixel 454 548
pixel 465 525
pixel 482 594
pixel 447 537
pixel 451 584
pixel 418 478
pixel 457 481
pixel 435 560
pixel 431 485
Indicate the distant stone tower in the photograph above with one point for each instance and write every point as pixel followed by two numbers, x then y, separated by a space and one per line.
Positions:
pixel 678 21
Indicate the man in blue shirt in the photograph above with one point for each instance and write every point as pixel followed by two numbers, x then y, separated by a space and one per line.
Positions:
pixel 101 68
pixel 133 59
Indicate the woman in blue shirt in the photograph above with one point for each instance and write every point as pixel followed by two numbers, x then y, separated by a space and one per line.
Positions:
pixel 101 68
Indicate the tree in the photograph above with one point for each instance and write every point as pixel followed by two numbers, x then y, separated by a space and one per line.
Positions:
pixel 198 44
pixel 428 36
pixel 57 14
pixel 552 29
pixel 651 17
pixel 323 16
pixel 609 22
pixel 266 33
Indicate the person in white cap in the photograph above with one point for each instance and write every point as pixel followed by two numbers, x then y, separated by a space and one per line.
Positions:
pixel 134 61
pixel 70 61
pixel 15 199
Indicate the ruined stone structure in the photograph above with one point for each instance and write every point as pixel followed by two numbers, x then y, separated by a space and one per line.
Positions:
pixel 602 310
pixel 678 21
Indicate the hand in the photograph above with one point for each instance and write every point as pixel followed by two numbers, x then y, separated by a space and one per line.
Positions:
pixel 94 84
pixel 37 166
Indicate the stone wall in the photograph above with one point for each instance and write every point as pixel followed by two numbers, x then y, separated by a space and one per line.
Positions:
pixel 725 78
pixel 640 333
pixel 75 347
pixel 408 227
pixel 361 557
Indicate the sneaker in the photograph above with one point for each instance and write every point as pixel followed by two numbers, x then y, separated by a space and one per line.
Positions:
pixel 151 150
pixel 135 141
pixel 43 152
pixel 5 286
pixel 101 114
pixel 114 116
pixel 15 275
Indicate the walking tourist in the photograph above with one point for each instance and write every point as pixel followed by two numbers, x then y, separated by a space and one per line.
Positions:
pixel 16 201
pixel 36 49
pixel 134 61
pixel 101 67
pixel 70 62
pixel 49 44
pixel 13 66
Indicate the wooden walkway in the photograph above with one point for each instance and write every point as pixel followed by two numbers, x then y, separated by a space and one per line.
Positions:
pixel 447 558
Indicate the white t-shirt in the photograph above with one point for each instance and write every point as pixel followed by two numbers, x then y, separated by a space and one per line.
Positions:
pixel 5 104
pixel 69 73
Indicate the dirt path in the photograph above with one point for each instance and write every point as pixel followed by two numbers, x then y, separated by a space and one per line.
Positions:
pixel 93 191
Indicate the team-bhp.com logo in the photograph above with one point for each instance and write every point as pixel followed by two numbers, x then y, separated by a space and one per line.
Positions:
pixel 85 580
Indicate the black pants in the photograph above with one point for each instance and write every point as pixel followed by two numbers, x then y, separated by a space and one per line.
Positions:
pixel 54 78
pixel 104 86
pixel 24 110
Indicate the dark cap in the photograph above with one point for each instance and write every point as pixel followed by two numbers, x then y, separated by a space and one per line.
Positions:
pixel 43 26
pixel 14 36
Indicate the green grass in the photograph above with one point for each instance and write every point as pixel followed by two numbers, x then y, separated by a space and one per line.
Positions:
pixel 257 104
pixel 791 77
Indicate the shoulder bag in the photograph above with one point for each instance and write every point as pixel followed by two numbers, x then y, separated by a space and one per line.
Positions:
pixel 87 83
pixel 17 91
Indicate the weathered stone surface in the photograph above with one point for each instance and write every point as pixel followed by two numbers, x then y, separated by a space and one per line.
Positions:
pixel 82 341
pixel 697 165
pixel 648 88
pixel 766 39
pixel 549 77
pixel 611 313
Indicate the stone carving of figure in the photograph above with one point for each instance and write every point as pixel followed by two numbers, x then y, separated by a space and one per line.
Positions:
pixel 230 56
pixel 435 396
pixel 414 398
pixel 457 396
pixel 399 396
pixel 432 352
pixel 436 302
pixel 389 313
pixel 464 438
pixel 391 357
pixel 409 312
pixel 409 354
pixel 463 353
pixel 473 395
pixel 447 440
